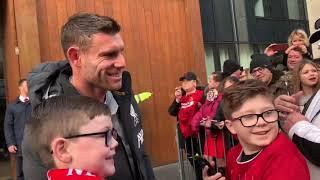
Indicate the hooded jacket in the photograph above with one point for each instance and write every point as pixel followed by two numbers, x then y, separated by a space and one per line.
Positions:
pixel 52 79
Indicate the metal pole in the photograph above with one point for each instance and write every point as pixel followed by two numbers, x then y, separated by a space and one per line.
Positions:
pixel 180 156
pixel 235 31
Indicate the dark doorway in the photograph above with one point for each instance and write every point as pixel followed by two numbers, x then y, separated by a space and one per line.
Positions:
pixel 3 147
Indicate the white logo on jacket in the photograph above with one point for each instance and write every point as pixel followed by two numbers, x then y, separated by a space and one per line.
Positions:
pixel 140 138
pixel 187 104
pixel 134 116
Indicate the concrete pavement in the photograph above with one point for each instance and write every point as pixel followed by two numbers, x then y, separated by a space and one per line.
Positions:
pixel 5 170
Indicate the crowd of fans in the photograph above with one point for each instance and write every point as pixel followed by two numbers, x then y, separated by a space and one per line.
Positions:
pixel 276 101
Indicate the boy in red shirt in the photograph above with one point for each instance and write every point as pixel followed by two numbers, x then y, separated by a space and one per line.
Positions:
pixel 189 103
pixel 74 138
pixel 263 152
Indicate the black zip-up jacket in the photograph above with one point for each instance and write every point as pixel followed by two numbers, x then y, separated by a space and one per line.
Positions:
pixel 17 114
pixel 52 79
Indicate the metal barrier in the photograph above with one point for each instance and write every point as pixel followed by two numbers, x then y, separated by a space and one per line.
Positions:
pixel 191 148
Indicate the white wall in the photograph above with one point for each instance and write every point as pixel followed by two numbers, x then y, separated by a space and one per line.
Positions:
pixel 313 7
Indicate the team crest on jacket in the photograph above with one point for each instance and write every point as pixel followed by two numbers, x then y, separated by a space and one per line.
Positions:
pixel 134 115
pixel 140 138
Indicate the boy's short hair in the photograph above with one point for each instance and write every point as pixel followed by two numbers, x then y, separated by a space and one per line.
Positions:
pixel 60 116
pixel 236 95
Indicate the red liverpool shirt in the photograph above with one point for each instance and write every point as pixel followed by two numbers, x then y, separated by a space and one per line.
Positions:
pixel 280 160
pixel 71 174
pixel 189 107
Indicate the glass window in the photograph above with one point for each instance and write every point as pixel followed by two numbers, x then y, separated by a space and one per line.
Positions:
pixel 258 8
pixel 216 54
pixel 245 52
pixel 209 60
pixel 295 9
pixel 242 21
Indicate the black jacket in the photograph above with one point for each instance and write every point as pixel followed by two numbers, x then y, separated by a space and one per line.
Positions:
pixel 17 114
pixel 52 79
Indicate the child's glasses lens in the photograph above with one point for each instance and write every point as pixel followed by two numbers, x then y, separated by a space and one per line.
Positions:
pixel 109 135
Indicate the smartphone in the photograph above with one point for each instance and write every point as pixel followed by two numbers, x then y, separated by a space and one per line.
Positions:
pixel 201 162
pixel 279 47
pixel 183 92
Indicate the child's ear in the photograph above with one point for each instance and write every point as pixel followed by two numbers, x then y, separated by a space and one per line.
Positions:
pixel 60 150
pixel 229 125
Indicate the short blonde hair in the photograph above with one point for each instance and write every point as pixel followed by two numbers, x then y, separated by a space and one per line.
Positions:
pixel 301 34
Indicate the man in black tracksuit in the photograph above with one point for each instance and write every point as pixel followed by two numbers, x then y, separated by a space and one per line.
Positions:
pixel 95 68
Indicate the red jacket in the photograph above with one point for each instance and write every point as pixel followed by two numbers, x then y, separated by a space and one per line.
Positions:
pixel 281 160
pixel 189 106
pixel 71 174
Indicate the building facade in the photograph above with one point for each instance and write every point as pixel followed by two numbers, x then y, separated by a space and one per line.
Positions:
pixel 236 29
pixel 313 7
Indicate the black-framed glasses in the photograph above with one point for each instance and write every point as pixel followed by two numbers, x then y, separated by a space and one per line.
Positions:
pixel 257 70
pixel 250 120
pixel 109 134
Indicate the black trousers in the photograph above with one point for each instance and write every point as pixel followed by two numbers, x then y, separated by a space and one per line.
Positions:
pixel 19 161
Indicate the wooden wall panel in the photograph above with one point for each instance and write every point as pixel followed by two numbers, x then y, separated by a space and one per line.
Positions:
pixel 27 35
pixel 11 64
pixel 163 39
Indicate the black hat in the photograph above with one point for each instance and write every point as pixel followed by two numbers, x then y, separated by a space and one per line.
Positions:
pixel 260 60
pixel 317 24
pixel 188 76
pixel 230 66
pixel 314 37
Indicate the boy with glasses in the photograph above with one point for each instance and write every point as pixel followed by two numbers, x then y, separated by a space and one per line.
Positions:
pixel 74 137
pixel 264 152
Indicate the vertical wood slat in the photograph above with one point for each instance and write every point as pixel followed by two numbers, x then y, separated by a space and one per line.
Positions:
pixel 11 64
pixel 27 35
pixel 193 7
pixel 62 16
pixel 108 7
pixel 43 32
pixel 71 7
pixel 99 7
pixel 53 29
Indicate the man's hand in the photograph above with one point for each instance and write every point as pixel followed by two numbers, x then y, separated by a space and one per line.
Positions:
pixel 220 124
pixel 205 122
pixel 287 103
pixel 269 51
pixel 12 149
pixel 291 119
pixel 208 123
pixel 178 93
pixel 217 176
